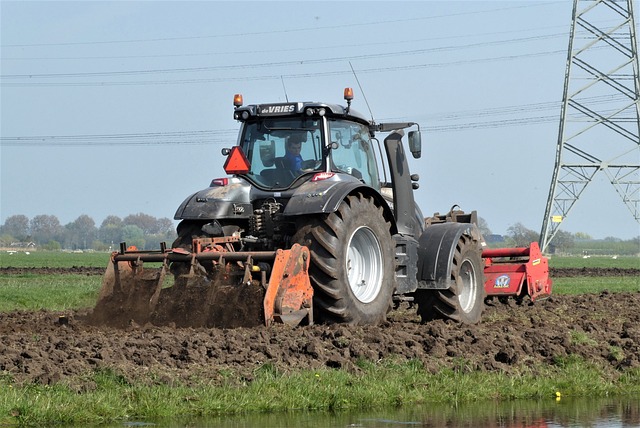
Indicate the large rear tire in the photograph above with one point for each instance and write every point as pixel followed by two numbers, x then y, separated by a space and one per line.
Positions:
pixel 352 262
pixel 187 230
pixel 464 300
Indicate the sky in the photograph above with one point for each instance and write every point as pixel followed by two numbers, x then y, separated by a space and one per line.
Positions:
pixel 117 108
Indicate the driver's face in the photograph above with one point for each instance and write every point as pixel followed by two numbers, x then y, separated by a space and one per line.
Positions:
pixel 294 148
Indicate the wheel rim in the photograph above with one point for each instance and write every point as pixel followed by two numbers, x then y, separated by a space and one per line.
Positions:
pixel 469 286
pixel 365 265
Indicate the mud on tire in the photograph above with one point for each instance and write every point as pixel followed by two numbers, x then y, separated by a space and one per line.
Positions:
pixel 352 262
pixel 464 301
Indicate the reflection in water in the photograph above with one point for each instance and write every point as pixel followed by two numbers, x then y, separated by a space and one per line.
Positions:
pixel 594 413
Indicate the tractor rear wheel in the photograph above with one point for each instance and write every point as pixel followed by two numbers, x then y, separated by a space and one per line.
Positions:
pixel 352 262
pixel 464 300
pixel 187 230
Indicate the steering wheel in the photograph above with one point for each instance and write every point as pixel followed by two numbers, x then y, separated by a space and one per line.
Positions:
pixel 310 164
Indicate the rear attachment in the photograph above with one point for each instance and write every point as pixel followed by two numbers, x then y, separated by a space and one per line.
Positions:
pixel 508 270
pixel 213 286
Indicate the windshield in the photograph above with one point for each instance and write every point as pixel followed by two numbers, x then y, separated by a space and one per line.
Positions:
pixel 281 149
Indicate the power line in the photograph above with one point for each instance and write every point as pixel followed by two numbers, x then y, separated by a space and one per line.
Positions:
pixel 131 139
pixel 317 48
pixel 280 76
pixel 222 136
pixel 272 64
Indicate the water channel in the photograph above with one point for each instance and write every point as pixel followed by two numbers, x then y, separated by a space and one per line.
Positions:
pixel 593 413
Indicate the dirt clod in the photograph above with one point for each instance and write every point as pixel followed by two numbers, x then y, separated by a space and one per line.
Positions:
pixel 602 328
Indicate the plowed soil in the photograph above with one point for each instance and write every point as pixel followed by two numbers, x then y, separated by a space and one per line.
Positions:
pixel 47 347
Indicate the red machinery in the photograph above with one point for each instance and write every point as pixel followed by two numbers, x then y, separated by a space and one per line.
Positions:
pixel 508 269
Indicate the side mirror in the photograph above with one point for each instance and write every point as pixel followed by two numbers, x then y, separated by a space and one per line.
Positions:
pixel 415 144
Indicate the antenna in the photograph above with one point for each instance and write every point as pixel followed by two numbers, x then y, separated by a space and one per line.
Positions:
pixel 362 90
pixel 286 97
pixel 380 162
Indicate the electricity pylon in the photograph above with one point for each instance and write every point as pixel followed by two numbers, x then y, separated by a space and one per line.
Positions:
pixel 600 115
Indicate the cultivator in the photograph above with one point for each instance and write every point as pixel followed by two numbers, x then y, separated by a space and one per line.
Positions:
pixel 516 272
pixel 213 286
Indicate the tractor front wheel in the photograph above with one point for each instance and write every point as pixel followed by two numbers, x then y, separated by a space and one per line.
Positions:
pixel 464 300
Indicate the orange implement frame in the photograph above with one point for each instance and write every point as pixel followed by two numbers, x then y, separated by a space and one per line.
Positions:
pixel 289 295
pixel 507 270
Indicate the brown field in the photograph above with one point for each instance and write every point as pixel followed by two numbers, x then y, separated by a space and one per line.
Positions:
pixel 601 328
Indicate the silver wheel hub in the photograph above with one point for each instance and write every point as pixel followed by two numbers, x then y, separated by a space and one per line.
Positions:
pixel 365 266
pixel 468 286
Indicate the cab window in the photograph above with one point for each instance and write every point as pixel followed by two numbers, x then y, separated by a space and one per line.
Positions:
pixel 352 151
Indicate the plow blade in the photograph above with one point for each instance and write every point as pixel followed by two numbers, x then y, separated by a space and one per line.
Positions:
pixel 222 289
pixel 517 272
pixel 289 296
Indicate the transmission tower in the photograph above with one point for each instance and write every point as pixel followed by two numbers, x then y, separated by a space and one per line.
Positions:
pixel 600 116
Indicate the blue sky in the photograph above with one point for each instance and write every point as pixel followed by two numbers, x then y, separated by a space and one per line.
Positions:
pixel 132 101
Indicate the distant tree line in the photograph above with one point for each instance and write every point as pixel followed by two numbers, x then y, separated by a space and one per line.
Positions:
pixel 578 243
pixel 142 230
pixel 564 242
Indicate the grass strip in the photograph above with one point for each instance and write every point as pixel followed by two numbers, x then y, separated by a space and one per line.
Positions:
pixel 51 292
pixel 63 259
pixel 53 259
pixel 623 262
pixel 64 292
pixel 589 285
pixel 383 384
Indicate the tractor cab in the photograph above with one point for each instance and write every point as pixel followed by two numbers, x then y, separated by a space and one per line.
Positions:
pixel 284 145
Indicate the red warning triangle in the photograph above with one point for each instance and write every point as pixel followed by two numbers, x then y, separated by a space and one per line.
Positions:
pixel 237 162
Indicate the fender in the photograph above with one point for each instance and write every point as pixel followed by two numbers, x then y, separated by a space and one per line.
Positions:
pixel 436 248
pixel 323 197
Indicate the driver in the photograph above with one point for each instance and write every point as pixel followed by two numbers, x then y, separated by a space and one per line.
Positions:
pixel 292 158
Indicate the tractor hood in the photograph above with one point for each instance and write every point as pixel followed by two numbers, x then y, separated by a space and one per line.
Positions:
pixel 230 200
pixel 234 199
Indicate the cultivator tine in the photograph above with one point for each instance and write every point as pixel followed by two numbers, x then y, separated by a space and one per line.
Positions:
pixel 129 293
pixel 212 288
pixel 153 301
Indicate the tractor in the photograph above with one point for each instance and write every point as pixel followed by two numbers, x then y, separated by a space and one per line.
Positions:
pixel 315 222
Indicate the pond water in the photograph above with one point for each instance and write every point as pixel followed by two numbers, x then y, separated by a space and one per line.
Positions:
pixel 593 413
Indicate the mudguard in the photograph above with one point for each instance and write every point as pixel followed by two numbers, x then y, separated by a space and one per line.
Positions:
pixel 436 248
pixel 322 197
pixel 234 201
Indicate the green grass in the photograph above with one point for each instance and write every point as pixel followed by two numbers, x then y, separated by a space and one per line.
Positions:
pixel 376 385
pixel 52 292
pixel 627 262
pixel 53 259
pixel 93 259
pixel 586 284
